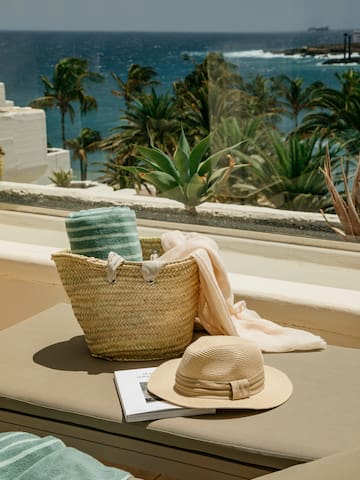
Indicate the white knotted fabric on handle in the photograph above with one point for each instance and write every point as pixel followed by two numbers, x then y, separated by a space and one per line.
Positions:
pixel 218 313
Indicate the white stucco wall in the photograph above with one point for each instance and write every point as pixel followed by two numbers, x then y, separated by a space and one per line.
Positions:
pixel 56 159
pixel 311 288
pixel 24 141
pixel 356 36
pixel 3 101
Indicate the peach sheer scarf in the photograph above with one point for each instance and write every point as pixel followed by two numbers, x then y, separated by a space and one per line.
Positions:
pixel 218 313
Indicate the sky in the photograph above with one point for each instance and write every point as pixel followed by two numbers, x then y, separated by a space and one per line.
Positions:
pixel 179 15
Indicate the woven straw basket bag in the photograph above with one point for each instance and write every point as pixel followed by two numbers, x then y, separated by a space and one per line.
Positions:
pixel 132 319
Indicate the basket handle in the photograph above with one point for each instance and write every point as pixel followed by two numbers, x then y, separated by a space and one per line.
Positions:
pixel 149 268
pixel 113 262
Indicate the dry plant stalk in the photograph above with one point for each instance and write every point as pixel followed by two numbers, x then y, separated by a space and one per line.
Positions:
pixel 2 154
pixel 348 208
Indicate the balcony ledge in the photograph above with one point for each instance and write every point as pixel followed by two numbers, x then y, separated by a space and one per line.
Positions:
pixel 288 266
pixel 27 272
pixel 235 218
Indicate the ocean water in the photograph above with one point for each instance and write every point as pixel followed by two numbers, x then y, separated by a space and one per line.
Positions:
pixel 24 56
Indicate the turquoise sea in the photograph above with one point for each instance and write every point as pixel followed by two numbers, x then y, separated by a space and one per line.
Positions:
pixel 24 56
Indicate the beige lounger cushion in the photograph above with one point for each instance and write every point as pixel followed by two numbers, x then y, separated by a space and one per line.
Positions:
pixel 344 466
pixel 46 371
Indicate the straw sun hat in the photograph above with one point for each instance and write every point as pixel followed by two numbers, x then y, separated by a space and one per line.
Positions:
pixel 220 372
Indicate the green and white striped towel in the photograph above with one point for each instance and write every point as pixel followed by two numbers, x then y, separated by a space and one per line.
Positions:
pixel 97 232
pixel 24 456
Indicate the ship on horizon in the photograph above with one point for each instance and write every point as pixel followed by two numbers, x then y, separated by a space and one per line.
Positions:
pixel 324 28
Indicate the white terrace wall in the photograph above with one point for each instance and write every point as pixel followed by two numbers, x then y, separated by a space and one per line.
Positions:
pixel 311 288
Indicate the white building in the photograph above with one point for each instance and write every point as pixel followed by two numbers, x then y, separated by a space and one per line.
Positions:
pixel 23 139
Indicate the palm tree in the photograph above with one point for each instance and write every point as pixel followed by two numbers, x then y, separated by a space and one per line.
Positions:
pixel 152 117
pixel 66 87
pixel 193 112
pixel 260 99
pixel 86 142
pixel 214 91
pixel 201 112
pixel 294 97
pixel 138 78
pixel 149 120
pixel 336 104
pixel 213 68
pixel 338 114
pixel 207 94
pixel 339 109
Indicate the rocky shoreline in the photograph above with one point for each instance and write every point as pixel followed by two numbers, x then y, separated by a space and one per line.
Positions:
pixel 334 49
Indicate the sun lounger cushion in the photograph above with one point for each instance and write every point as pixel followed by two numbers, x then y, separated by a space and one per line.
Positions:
pixel 47 372
pixel 342 466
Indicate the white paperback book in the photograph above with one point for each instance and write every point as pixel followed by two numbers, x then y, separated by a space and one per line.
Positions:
pixel 138 404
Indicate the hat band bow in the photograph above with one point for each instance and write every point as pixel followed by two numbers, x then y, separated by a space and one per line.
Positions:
pixel 234 390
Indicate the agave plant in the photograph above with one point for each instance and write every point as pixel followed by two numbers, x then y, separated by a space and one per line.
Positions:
pixel 348 207
pixel 189 176
pixel 288 176
pixel 62 178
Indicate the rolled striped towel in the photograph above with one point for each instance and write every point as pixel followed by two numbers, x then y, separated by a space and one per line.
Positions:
pixel 97 232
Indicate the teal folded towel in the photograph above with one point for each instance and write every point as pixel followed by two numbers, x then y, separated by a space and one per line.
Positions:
pixel 24 456
pixel 97 232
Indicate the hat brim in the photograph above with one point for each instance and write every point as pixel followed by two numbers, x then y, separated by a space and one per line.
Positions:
pixel 277 390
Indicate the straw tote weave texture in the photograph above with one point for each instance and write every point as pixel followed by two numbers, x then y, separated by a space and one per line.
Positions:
pixel 132 319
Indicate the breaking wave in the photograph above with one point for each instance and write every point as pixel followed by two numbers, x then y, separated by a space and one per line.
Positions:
pixel 259 53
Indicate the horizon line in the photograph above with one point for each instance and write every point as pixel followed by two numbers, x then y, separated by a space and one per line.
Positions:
pixel 205 32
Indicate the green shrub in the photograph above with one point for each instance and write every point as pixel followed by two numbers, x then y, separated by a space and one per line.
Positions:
pixel 62 178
